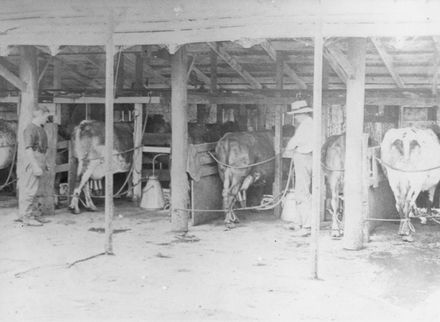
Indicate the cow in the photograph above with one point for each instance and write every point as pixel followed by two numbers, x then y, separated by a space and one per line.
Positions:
pixel 333 163
pixel 333 160
pixel 89 148
pixel 236 154
pixel 8 141
pixel 410 158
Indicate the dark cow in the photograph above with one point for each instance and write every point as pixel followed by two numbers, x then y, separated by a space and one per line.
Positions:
pixel 236 153
pixel 410 158
pixel 89 148
pixel 8 140
pixel 333 160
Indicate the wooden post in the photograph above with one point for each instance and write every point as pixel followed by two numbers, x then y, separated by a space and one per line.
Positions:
pixel 139 72
pixel 262 108
pixel 316 169
pixel 109 98
pixel 88 111
pixel 353 191
pixel 179 139
pixel 213 79
pixel 47 191
pixel 29 100
pixel 137 155
pixel 121 72
pixel 278 140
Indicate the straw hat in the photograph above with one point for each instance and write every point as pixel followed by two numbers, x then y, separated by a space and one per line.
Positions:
pixel 300 107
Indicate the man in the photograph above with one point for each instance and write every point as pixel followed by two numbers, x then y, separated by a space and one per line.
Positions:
pixel 34 165
pixel 300 149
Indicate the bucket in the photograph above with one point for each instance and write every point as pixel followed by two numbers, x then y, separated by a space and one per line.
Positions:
pixel 152 196
pixel 289 212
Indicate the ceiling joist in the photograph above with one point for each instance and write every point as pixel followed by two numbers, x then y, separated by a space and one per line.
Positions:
pixel 270 50
pixel 388 61
pixel 339 62
pixel 12 78
pixel 231 61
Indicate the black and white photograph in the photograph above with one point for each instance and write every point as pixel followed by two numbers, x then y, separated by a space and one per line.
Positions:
pixel 219 160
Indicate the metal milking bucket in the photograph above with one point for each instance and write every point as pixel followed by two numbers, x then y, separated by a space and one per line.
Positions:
pixel 289 206
pixel 152 195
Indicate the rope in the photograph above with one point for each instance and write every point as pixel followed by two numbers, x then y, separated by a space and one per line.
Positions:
pixel 406 170
pixel 331 170
pixel 244 166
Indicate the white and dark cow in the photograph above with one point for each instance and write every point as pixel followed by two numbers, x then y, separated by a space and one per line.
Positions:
pixel 88 140
pixel 409 158
pixel 333 161
pixel 236 152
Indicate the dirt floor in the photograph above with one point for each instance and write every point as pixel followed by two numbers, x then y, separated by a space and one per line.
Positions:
pixel 257 271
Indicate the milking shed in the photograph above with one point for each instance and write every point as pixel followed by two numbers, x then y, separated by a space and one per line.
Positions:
pixel 378 58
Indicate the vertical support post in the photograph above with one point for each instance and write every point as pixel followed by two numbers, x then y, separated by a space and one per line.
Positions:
pixel 29 100
pixel 137 155
pixel 121 72
pixel 353 190
pixel 316 169
pixel 88 111
pixel 109 99
pixel 365 187
pixel 213 79
pixel 179 139
pixel 139 72
pixel 262 108
pixel 278 140
pixel 47 192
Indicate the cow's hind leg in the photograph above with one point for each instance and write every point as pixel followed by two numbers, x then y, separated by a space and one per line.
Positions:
pixel 84 178
pixel 334 202
pixel 406 228
pixel 88 198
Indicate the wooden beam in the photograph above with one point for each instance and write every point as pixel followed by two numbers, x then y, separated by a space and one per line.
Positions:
pixel 108 160
pixel 179 139
pixel 338 62
pixel 231 61
pixel 388 61
pixel 137 155
pixel 43 70
pixel 278 138
pixel 353 190
pixel 12 78
pixel 139 70
pixel 317 144
pixel 120 76
pixel 270 50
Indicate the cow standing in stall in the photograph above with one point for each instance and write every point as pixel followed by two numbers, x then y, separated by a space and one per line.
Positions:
pixel 237 156
pixel 411 160
pixel 333 160
pixel 89 148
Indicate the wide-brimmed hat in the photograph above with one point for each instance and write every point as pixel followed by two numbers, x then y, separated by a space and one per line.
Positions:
pixel 300 107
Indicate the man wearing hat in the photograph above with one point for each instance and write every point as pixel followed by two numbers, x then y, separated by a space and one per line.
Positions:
pixel 35 145
pixel 300 148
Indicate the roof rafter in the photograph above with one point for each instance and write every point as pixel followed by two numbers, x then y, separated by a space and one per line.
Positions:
pixel 11 77
pixel 339 62
pixel 231 61
pixel 388 61
pixel 270 50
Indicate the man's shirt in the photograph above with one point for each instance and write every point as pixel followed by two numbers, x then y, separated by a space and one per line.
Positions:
pixel 35 137
pixel 302 141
